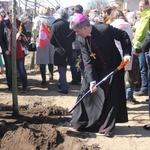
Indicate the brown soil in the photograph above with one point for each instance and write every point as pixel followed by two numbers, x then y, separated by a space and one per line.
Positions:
pixel 43 122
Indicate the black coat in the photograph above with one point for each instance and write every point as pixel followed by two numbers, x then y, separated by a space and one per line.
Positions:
pixel 62 37
pixel 146 44
pixel 108 58
pixel 146 48
pixel 3 39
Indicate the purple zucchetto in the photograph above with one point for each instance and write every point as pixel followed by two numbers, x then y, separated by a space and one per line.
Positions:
pixel 79 18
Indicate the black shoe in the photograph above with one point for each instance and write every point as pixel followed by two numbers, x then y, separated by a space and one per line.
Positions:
pixel 61 91
pixel 132 101
pixel 141 93
pixel 24 90
pixel 147 100
pixel 9 89
pixel 59 87
pixel 109 134
pixel 147 127
pixel 43 83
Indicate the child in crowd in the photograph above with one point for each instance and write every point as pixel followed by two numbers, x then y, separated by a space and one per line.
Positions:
pixel 132 79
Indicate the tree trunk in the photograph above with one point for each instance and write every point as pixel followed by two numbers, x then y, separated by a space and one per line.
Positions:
pixel 14 68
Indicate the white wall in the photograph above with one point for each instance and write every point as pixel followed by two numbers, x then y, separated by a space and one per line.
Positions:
pixel 131 4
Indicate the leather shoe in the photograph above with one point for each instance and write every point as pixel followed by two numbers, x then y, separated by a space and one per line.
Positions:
pixel 62 91
pixel 132 101
pixel 59 87
pixel 43 83
pixel 109 134
pixel 10 89
pixel 147 127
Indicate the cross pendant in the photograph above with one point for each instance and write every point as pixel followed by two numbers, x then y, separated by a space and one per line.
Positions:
pixel 93 55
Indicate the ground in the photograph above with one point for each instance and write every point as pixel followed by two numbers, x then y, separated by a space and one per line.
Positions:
pixel 43 121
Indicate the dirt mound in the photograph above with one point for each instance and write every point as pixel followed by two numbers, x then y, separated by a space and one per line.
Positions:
pixel 42 137
pixel 42 129
pixel 31 138
pixel 57 110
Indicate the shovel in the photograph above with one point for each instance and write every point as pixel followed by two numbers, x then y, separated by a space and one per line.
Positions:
pixel 122 65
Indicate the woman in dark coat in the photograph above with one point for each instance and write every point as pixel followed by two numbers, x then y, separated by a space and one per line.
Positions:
pixel 100 56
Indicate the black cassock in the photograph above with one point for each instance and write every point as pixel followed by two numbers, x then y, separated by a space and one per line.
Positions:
pixel 101 110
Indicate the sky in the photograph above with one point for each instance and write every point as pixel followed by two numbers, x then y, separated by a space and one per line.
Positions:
pixel 63 3
pixel 66 3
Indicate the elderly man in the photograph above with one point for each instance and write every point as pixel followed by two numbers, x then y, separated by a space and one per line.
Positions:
pixel 100 56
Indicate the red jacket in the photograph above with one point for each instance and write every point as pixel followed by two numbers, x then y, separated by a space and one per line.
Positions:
pixel 19 52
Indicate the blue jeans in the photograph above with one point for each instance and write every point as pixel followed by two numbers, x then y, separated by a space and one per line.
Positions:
pixel 8 66
pixel 149 87
pixel 62 77
pixel 143 71
pixel 148 63
pixel 75 72
pixel 129 93
pixel 22 72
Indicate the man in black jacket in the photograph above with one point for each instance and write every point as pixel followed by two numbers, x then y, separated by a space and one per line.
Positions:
pixel 62 37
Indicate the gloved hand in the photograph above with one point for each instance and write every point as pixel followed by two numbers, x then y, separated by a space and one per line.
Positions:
pixel 127 57
pixel 93 87
pixel 129 64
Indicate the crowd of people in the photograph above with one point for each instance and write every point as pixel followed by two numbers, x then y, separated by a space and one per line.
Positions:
pixel 80 39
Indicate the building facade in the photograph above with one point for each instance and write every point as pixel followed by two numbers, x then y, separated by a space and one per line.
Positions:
pixel 131 5
pixel 126 4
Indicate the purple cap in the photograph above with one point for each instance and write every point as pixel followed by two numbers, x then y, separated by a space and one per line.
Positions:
pixel 79 18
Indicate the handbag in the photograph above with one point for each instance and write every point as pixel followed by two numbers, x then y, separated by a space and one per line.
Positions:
pixel 32 47
pixel 60 50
